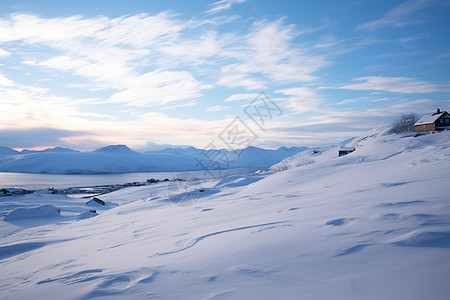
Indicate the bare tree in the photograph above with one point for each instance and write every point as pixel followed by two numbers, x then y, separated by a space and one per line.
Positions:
pixel 405 123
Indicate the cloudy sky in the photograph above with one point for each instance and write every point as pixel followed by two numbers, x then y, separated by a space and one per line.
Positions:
pixel 85 74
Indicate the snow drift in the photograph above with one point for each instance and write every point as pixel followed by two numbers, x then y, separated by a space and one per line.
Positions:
pixel 44 211
pixel 373 224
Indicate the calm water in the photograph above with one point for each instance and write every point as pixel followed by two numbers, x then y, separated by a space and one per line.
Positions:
pixel 41 181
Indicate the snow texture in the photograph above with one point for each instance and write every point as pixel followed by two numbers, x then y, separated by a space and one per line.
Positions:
pixel 44 211
pixel 374 224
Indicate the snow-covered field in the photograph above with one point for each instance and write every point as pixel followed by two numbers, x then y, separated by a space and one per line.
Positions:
pixel 374 224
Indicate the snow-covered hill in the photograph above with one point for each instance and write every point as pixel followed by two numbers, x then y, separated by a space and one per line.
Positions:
pixel 7 151
pixel 374 224
pixel 121 159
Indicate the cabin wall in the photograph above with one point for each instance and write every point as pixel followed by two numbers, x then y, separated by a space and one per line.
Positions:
pixel 424 127
pixel 344 152
pixel 443 122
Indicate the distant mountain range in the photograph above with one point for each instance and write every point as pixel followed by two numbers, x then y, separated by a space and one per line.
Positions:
pixel 121 159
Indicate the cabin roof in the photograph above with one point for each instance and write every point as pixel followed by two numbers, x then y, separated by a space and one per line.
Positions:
pixel 347 149
pixel 430 118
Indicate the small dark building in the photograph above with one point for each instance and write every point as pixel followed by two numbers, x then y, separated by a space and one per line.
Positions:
pixel 346 150
pixel 94 199
pixel 439 120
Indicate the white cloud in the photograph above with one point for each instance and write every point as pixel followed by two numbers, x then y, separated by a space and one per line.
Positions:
pixel 65 63
pixel 242 80
pixel 102 65
pixel 301 99
pixel 397 85
pixel 269 51
pixel 187 104
pixel 122 54
pixel 30 108
pixel 160 87
pixel 239 97
pixel 33 107
pixel 4 53
pixel 29 63
pixel 414 38
pixel 216 108
pixel 297 91
pixel 329 126
pixel 141 30
pixel 5 81
pixel 368 41
pixel 223 5
pixel 398 16
pixel 113 53
pixel 189 51
pixel 103 50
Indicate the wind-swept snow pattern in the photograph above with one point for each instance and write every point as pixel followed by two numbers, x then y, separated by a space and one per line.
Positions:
pixel 373 224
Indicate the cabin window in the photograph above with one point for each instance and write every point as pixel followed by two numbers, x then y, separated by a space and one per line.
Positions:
pixel 447 121
pixel 442 121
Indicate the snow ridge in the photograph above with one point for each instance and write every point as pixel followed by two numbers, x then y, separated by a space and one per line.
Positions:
pixel 373 224
pixel 121 159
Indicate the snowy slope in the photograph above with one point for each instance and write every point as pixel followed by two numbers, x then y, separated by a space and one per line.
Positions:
pixel 7 151
pixel 121 159
pixel 374 224
pixel 263 158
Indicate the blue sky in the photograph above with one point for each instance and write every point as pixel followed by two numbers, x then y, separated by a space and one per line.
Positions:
pixel 85 74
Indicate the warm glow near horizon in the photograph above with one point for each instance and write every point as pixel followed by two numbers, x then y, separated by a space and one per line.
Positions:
pixel 150 74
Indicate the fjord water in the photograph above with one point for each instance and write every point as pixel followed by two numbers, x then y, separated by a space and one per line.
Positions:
pixel 32 181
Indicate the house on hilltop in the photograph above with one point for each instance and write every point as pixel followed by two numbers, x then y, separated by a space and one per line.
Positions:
pixel 439 120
